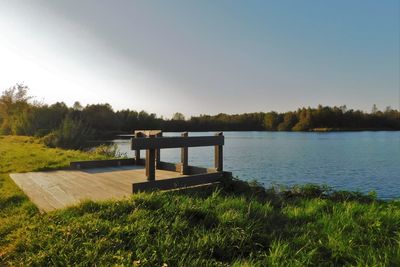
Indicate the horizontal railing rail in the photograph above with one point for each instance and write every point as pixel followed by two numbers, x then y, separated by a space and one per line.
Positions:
pixel 176 142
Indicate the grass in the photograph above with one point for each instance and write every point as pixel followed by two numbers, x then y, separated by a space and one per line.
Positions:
pixel 23 154
pixel 240 224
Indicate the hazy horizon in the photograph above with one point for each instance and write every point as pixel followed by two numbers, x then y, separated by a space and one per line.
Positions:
pixel 204 57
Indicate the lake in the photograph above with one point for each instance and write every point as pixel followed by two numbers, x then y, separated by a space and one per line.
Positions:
pixel 360 161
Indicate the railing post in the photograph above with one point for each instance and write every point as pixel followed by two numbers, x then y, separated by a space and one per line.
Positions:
pixel 150 163
pixel 218 156
pixel 137 152
pixel 158 153
pixel 184 157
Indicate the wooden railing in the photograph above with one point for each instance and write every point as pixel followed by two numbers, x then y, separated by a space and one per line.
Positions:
pixel 153 142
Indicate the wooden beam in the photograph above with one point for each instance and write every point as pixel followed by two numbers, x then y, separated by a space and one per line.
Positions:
pixel 179 182
pixel 200 170
pixel 151 162
pixel 218 155
pixel 137 151
pixel 176 142
pixel 167 166
pixel 150 165
pixel 158 152
pixel 101 163
pixel 184 157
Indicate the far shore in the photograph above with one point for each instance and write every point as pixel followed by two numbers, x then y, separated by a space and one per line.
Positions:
pixel 124 135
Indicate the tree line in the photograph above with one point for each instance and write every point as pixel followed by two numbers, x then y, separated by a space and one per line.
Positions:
pixel 65 126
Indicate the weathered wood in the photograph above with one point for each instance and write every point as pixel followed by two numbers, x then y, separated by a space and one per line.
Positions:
pixel 158 152
pixel 176 142
pixel 101 163
pixel 218 155
pixel 137 151
pixel 178 182
pixel 199 170
pixel 140 162
pixel 51 190
pixel 151 162
pixel 184 157
pixel 167 166
pixel 176 167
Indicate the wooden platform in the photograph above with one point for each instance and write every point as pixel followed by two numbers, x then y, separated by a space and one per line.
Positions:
pixel 58 189
pixel 119 178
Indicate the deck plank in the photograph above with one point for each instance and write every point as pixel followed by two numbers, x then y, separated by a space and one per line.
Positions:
pixel 50 190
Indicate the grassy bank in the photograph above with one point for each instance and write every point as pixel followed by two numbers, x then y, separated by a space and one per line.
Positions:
pixel 236 225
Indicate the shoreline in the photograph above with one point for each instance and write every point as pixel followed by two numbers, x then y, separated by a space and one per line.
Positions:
pixel 311 130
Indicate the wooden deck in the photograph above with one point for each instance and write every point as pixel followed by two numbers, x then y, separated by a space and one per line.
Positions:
pixel 119 178
pixel 52 190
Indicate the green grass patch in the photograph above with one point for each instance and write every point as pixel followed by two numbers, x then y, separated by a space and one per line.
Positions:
pixel 237 225
pixel 23 154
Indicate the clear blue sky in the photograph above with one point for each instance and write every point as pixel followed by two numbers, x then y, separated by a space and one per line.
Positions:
pixel 201 57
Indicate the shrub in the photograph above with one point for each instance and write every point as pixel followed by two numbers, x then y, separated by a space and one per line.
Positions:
pixel 72 134
pixel 110 151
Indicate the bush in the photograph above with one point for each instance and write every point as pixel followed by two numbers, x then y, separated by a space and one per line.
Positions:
pixel 72 134
pixel 110 151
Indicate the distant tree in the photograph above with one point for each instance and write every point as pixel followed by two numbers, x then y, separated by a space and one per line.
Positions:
pixel 77 106
pixel 38 119
pixel 72 134
pixel 374 109
pixel 19 115
pixel 178 117
pixel 289 121
pixel 271 121
pixel 100 117
pixel 13 102
pixel 148 121
pixel 128 120
pixel 305 120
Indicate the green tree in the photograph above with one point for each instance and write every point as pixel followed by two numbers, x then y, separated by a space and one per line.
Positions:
pixel 289 120
pixel 305 120
pixel 101 118
pixel 271 121
pixel 178 117
pixel 13 102
pixel 77 106
pixel 72 134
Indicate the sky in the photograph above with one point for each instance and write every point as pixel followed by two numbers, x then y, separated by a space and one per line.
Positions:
pixel 204 57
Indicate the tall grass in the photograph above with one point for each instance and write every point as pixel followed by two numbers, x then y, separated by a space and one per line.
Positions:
pixel 237 225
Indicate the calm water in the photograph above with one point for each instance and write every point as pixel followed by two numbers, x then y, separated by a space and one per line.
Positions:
pixel 362 161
